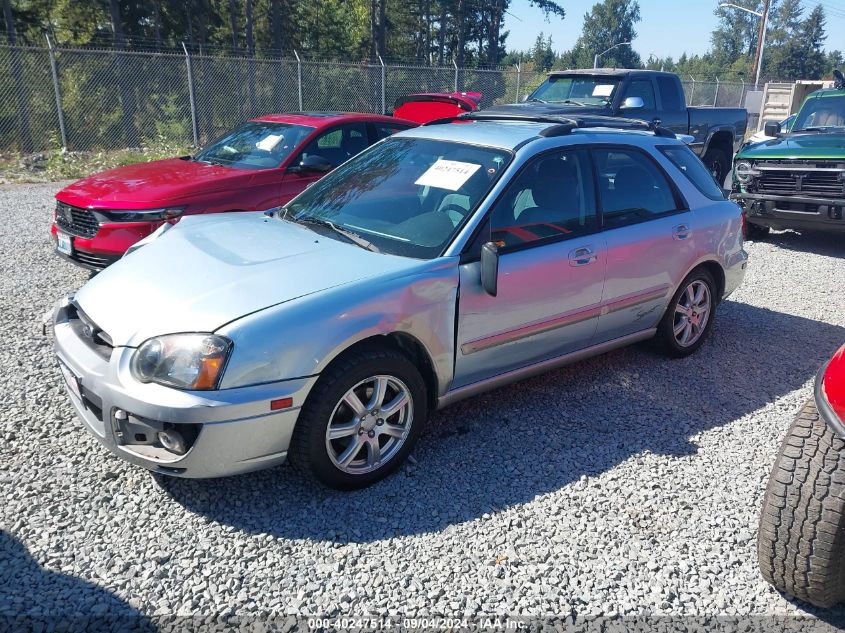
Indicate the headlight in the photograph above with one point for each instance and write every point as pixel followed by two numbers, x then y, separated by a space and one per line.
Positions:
pixel 143 215
pixel 183 361
pixel 744 171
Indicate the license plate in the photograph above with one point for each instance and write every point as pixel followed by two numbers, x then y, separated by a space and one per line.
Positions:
pixel 71 380
pixel 64 243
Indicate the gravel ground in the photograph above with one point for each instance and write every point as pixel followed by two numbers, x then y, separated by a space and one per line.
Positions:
pixel 625 485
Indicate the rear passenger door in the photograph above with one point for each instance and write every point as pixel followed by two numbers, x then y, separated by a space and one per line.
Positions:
pixel 650 240
pixel 551 272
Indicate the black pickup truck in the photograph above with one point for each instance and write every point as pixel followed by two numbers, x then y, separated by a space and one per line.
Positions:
pixel 639 94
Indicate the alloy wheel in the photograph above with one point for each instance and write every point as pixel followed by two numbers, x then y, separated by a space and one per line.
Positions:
pixel 692 312
pixel 369 425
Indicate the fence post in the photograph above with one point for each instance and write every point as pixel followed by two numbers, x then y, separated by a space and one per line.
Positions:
pixel 456 73
pixel 518 77
pixel 299 77
pixel 191 97
pixel 741 93
pixel 55 72
pixel 692 94
pixel 716 96
pixel 383 103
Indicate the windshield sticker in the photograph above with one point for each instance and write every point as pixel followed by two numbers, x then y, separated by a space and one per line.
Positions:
pixel 447 174
pixel 269 142
pixel 603 90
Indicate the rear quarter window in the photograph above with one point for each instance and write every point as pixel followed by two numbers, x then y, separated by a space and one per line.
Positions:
pixel 691 166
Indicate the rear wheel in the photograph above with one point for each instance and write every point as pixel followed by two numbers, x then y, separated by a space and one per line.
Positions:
pixel 801 541
pixel 689 317
pixel 361 420
pixel 717 161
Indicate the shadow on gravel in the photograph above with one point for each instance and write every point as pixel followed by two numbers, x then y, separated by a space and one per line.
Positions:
pixel 825 244
pixel 35 599
pixel 504 448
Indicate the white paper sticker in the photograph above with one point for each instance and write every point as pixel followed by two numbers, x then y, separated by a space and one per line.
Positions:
pixel 269 142
pixel 603 90
pixel 447 174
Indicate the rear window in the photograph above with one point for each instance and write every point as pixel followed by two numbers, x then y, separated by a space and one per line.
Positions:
pixel 691 166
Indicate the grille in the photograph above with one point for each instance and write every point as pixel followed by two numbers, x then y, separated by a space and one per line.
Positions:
pixel 801 178
pixel 92 261
pixel 75 220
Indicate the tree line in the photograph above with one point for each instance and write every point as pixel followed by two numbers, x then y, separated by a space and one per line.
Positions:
pixel 793 46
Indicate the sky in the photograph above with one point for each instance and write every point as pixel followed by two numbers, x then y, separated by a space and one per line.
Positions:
pixel 667 27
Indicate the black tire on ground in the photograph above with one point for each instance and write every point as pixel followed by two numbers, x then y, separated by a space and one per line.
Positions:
pixel 801 541
pixel 718 162
pixel 755 231
pixel 665 337
pixel 308 451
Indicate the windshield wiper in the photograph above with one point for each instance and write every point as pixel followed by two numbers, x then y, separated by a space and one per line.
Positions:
pixel 819 128
pixel 578 103
pixel 349 235
pixel 536 100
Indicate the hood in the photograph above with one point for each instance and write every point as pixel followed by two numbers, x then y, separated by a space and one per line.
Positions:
pixel 158 182
pixel 811 145
pixel 210 270
pixel 534 108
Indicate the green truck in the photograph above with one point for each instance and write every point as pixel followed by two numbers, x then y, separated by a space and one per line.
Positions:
pixel 796 180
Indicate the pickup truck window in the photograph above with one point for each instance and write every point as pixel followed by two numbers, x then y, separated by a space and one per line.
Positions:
pixel 695 171
pixel 669 94
pixel 580 90
pixel 632 188
pixel 645 90
pixel 553 197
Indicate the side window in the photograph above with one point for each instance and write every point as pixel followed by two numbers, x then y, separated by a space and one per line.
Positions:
pixel 692 167
pixel 554 196
pixel 339 144
pixel 669 94
pixel 632 187
pixel 383 130
pixel 642 88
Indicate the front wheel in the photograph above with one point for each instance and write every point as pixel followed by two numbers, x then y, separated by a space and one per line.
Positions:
pixel 361 420
pixel 801 541
pixel 689 317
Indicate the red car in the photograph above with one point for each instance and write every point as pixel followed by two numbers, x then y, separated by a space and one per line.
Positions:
pixel 262 164
pixel 801 541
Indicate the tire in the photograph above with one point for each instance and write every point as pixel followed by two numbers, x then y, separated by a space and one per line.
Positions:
pixel 801 540
pixel 318 456
pixel 668 340
pixel 717 162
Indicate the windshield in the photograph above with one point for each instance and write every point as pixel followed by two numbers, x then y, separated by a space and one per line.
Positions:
pixel 406 196
pixel 577 90
pixel 820 113
pixel 255 145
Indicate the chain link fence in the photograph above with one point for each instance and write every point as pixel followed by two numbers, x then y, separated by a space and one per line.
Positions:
pixel 85 99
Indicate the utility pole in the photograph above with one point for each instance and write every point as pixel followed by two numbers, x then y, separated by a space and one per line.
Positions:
pixel 761 42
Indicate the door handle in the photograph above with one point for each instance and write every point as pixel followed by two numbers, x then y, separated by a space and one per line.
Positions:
pixel 582 256
pixel 681 232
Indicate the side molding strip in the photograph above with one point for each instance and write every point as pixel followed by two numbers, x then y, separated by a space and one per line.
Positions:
pixel 563 320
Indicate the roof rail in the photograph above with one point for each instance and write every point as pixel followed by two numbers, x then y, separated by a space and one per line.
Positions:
pixel 563 125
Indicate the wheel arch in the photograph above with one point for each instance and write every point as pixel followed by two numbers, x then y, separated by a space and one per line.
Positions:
pixel 406 344
pixel 716 271
pixel 721 139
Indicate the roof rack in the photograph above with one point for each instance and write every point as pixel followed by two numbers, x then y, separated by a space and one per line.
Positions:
pixel 563 125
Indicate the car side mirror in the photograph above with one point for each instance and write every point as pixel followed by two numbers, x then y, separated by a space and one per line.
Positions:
pixel 632 103
pixel 490 268
pixel 313 163
pixel 771 128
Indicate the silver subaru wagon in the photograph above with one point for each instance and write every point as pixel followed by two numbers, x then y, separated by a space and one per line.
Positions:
pixel 442 262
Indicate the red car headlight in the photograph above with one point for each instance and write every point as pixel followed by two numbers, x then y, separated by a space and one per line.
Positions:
pixel 142 215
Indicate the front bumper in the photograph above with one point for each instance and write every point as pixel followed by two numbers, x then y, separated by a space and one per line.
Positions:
pixel 107 246
pixel 230 431
pixel 792 212
pixel 826 412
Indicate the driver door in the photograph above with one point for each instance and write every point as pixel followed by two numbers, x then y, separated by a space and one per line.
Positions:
pixel 551 272
pixel 336 144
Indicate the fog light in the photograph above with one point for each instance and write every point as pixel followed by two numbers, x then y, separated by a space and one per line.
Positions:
pixel 172 441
